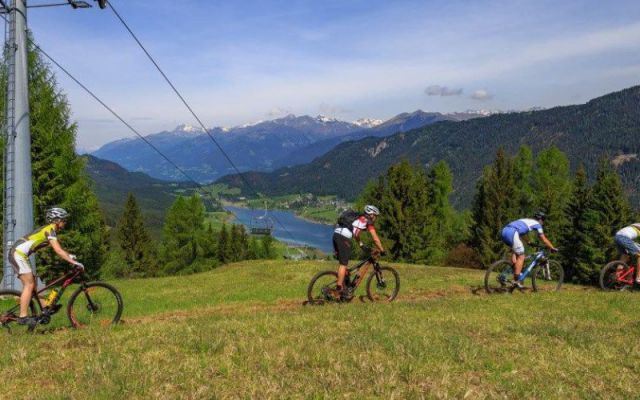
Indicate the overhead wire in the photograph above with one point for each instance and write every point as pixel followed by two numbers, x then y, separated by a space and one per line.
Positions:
pixel 186 104
pixel 115 114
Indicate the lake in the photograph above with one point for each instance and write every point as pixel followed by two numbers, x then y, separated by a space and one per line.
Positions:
pixel 296 230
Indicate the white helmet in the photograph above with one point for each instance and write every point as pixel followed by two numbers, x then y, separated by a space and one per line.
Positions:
pixel 56 213
pixel 371 210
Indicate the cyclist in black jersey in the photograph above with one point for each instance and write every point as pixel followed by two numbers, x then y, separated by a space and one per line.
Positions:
pixel 24 247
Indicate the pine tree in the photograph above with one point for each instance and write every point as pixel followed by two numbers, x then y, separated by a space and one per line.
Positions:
pixel 183 235
pixel 612 212
pixel 438 231
pixel 57 172
pixel 552 187
pixel 577 248
pixel 494 206
pixel 135 242
pixel 224 255
pixel 523 175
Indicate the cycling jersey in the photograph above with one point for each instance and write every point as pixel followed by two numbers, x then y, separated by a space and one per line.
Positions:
pixel 36 240
pixel 360 224
pixel 526 225
pixel 631 232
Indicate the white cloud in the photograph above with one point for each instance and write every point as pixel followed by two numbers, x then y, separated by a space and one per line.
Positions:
pixel 278 112
pixel 481 94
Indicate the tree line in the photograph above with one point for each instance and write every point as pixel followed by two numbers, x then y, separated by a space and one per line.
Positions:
pixel 418 223
pixel 189 244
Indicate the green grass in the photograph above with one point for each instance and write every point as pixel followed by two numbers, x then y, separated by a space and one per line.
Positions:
pixel 241 331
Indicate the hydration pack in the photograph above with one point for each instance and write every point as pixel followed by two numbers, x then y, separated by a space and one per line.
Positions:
pixel 347 217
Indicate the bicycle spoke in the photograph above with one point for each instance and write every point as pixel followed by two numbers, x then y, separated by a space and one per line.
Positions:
pixel 97 305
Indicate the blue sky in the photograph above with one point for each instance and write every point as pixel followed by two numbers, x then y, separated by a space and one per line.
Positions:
pixel 240 62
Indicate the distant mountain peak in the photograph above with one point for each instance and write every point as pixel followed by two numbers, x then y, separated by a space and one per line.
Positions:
pixel 367 122
pixel 186 128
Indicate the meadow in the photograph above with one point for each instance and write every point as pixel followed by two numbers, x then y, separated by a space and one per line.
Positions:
pixel 242 331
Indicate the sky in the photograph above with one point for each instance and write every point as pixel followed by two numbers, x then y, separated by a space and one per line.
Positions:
pixel 241 62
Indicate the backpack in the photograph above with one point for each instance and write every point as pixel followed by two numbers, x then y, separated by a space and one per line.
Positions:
pixel 347 217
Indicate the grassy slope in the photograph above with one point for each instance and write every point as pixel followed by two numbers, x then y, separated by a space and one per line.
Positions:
pixel 241 331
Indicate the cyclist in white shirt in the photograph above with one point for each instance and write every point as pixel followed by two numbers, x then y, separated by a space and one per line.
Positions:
pixel 626 242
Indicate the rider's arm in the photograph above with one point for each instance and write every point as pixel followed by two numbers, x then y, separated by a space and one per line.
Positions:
pixel 547 242
pixel 374 236
pixel 61 252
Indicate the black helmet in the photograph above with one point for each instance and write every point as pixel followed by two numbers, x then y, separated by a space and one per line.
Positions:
pixel 540 215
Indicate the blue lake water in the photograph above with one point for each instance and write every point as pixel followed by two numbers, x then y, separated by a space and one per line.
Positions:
pixel 296 230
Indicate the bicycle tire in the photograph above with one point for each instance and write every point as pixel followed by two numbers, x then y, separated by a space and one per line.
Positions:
pixel 493 283
pixel 320 297
pixel 608 271
pixel 373 295
pixel 99 304
pixel 9 299
pixel 551 283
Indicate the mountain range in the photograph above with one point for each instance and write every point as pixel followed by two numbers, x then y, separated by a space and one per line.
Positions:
pixel 608 126
pixel 263 146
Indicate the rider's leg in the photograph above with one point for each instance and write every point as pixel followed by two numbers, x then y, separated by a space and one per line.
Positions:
pixel 28 285
pixel 517 268
pixel 342 272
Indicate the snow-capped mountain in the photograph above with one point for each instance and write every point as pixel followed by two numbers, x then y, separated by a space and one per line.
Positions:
pixel 367 122
pixel 260 146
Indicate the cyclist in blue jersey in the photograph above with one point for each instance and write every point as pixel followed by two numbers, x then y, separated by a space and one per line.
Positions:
pixel 512 234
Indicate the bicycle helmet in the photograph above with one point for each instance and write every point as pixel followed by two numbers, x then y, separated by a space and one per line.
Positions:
pixel 56 213
pixel 371 210
pixel 540 215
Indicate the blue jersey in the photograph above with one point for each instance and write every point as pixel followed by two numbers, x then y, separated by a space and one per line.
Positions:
pixel 526 225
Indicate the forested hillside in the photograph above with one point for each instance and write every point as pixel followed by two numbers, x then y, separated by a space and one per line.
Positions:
pixel 113 183
pixel 608 125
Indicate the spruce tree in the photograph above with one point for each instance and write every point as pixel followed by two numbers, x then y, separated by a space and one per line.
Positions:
pixel 183 236
pixel 58 173
pixel 576 244
pixel 438 231
pixel 494 206
pixel 552 188
pixel 523 174
pixel 612 212
pixel 224 255
pixel 135 242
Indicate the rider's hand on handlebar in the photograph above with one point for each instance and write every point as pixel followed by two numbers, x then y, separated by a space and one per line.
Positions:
pixel 553 249
pixel 79 265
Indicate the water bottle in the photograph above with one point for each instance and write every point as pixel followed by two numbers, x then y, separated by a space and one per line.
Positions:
pixel 52 295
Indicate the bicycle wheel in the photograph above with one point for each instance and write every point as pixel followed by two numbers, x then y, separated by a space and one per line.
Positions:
pixel 385 286
pixel 547 277
pixel 323 288
pixel 10 307
pixel 615 276
pixel 96 303
pixel 498 277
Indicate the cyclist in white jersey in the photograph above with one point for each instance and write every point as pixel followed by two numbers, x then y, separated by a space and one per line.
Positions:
pixel 512 233
pixel 626 242
pixel 342 236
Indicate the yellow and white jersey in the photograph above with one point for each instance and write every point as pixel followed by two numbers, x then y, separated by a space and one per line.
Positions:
pixel 36 240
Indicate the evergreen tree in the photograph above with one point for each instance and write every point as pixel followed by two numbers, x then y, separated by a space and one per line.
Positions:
pixel 438 231
pixel 224 254
pixel 183 234
pixel 612 212
pixel 57 172
pixel 494 206
pixel 135 242
pixel 552 187
pixel 523 175
pixel 577 248
pixel 268 251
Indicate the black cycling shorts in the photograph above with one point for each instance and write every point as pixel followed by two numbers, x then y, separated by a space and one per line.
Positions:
pixel 342 247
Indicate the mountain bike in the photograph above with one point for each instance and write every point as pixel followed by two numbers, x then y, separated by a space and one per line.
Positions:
pixel 92 303
pixel 383 283
pixel 617 275
pixel 546 275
